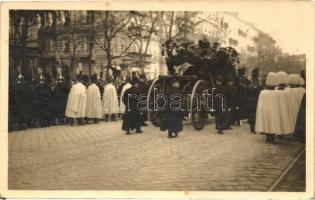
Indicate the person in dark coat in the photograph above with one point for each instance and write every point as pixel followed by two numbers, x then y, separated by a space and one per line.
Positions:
pixel 299 132
pixel 60 97
pixel 252 96
pixel 42 98
pixel 174 112
pixel 233 103
pixel 132 117
pixel 22 98
pixel 143 87
pixel 251 102
pixel 221 97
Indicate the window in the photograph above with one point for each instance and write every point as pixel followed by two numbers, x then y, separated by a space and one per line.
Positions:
pixel 242 33
pixel 233 42
pixel 85 44
pixel 250 48
pixel 67 46
pixel 51 45
pixel 90 17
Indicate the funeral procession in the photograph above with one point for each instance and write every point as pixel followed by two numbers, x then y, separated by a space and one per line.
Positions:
pixel 154 100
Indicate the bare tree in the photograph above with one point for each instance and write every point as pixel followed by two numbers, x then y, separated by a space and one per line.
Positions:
pixel 167 23
pixel 112 25
pixel 144 25
pixel 73 43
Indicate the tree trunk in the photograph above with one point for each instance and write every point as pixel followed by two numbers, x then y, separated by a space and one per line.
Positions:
pixel 171 26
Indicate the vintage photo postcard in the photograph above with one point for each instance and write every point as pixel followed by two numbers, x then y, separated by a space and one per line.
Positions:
pixel 157 99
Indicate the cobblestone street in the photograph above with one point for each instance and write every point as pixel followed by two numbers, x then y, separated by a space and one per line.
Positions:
pixel 102 157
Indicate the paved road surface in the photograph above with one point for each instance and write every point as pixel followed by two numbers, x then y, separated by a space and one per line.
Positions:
pixel 101 157
pixel 295 179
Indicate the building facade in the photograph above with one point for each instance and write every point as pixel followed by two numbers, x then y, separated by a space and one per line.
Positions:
pixel 75 40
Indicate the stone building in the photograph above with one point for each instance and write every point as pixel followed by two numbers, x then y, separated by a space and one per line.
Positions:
pixel 72 39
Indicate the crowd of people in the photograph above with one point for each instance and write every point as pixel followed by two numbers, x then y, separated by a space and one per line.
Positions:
pixel 276 108
pixel 84 100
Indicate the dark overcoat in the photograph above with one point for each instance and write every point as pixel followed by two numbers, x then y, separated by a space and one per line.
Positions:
pixel 60 97
pixel 132 116
pixel 42 100
pixel 173 115
pixel 22 102
pixel 221 106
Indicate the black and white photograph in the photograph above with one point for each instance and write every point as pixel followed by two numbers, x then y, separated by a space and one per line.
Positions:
pixel 132 98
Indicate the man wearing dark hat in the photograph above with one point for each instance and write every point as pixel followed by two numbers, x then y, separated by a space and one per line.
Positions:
pixel 42 98
pixel 143 87
pixel 221 108
pixel 60 96
pixel 132 117
pixel 21 102
pixel 174 113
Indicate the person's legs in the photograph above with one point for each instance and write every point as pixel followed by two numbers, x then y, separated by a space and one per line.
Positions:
pixel 272 138
pixel 95 120
pixel 113 117
pixel 219 122
pixel 252 127
pixel 138 130
pixel 170 134
pixel 267 137
pixel 176 134
pixel 106 117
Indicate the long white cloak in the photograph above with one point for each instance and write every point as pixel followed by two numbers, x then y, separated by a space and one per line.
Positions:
pixel 268 114
pixel 76 105
pixel 287 122
pixel 122 105
pixel 110 100
pixel 94 102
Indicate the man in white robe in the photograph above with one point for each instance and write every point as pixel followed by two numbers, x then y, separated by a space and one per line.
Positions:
pixel 110 101
pixel 285 99
pixel 267 114
pixel 94 102
pixel 76 104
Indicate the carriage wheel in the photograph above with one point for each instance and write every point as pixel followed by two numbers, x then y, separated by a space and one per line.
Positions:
pixel 197 112
pixel 153 116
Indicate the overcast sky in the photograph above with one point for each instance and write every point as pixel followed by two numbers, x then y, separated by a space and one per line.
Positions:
pixel 289 24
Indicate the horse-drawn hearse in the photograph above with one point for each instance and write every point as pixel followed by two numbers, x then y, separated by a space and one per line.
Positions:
pixel 195 67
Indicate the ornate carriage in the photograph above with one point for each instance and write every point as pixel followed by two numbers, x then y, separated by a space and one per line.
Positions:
pixel 195 67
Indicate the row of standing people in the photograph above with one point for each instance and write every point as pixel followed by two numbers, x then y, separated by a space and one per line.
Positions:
pixel 38 103
pixel 280 108
pixel 86 104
